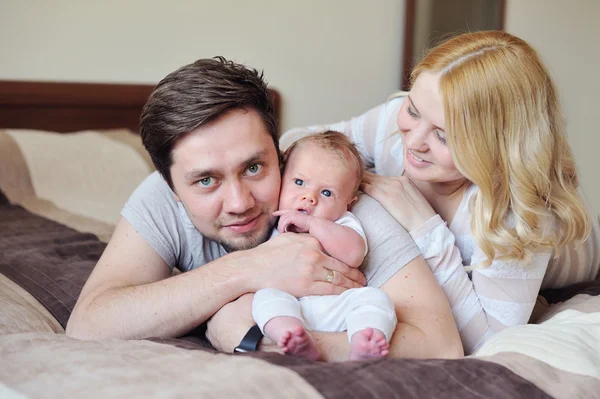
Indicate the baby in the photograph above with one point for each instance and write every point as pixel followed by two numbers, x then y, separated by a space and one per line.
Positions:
pixel 319 186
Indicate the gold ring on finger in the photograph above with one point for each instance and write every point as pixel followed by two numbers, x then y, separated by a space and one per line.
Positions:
pixel 330 276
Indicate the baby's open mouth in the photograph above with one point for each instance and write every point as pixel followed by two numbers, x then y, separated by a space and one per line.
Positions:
pixel 304 211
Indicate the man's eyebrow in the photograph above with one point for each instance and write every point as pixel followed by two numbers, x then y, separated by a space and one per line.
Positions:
pixel 254 158
pixel 200 173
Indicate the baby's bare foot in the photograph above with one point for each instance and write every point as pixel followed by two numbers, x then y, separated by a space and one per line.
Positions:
pixel 368 344
pixel 298 342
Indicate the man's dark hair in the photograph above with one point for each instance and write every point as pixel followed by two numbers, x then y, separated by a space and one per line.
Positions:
pixel 196 94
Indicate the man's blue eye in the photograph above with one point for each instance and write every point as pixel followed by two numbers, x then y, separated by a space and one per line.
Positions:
pixel 299 182
pixel 207 181
pixel 327 193
pixel 254 169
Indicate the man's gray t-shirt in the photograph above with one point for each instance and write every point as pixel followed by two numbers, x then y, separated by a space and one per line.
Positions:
pixel 153 211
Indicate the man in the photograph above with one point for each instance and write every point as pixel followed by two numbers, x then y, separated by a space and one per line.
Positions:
pixel 210 129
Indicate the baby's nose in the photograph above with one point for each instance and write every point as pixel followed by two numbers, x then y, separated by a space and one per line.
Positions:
pixel 310 198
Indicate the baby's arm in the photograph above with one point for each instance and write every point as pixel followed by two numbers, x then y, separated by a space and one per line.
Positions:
pixel 340 242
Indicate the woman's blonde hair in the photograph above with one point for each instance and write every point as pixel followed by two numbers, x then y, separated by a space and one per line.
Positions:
pixel 506 134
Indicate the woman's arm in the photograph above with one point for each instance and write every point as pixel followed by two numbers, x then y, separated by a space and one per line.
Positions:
pixel 499 296
pixel 494 298
pixel 367 131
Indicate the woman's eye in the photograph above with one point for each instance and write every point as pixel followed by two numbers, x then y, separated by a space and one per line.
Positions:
pixel 254 169
pixel 207 181
pixel 327 193
pixel 411 112
pixel 299 182
pixel 440 136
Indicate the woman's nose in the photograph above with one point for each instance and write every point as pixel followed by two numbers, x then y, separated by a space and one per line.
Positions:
pixel 416 138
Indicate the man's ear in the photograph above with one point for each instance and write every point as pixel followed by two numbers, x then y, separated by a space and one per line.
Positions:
pixel 352 202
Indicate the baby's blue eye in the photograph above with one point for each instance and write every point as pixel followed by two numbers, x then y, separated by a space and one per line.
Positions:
pixel 299 182
pixel 207 181
pixel 327 193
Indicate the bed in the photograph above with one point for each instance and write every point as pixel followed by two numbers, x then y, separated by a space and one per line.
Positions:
pixel 69 158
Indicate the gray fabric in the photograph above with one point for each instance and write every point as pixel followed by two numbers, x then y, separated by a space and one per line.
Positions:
pixel 153 211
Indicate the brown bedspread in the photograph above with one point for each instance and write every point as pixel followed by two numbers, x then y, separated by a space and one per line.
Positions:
pixel 52 262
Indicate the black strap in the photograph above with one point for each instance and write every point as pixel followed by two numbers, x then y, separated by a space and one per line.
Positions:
pixel 250 341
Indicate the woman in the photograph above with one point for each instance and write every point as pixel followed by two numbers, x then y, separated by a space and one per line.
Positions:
pixel 484 181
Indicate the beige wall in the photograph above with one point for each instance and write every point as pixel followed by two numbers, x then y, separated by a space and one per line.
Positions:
pixel 567 36
pixel 330 59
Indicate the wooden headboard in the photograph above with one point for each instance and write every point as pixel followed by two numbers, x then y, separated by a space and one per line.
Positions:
pixel 68 107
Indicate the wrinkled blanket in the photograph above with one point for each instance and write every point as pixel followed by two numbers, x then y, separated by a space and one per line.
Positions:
pixel 51 263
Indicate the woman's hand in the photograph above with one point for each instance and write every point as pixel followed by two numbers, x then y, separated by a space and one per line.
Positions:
pixel 400 197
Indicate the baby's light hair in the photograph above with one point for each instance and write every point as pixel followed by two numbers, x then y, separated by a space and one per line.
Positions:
pixel 339 144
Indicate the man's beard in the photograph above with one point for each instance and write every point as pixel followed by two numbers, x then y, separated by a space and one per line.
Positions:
pixel 250 242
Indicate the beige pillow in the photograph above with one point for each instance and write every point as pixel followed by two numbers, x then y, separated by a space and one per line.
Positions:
pixel 87 173
pixel 20 312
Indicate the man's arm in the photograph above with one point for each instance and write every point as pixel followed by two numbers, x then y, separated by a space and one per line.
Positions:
pixel 425 329
pixel 130 294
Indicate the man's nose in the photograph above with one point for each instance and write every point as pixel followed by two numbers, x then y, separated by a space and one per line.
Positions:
pixel 239 198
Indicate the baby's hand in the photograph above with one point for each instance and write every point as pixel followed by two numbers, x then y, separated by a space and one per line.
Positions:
pixel 293 221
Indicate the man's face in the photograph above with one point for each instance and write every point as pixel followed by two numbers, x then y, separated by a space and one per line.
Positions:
pixel 226 174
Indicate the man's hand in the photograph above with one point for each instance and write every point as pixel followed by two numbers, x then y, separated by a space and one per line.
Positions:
pixel 296 263
pixel 293 221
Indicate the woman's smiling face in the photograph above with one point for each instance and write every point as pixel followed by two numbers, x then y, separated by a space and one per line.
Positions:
pixel 421 123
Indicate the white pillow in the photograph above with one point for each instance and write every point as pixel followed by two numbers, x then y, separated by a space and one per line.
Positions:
pixel 570 340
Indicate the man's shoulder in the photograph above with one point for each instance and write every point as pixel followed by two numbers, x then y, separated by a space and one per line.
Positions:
pixel 154 192
pixel 390 245
pixel 154 183
pixel 156 215
pixel 367 207
pixel 153 203
pixel 377 223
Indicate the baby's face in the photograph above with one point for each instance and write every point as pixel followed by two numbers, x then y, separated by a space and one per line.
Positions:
pixel 318 182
